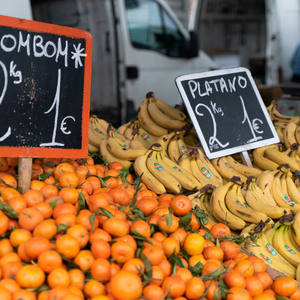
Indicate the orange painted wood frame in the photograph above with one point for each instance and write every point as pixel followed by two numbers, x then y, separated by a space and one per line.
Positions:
pixel 68 33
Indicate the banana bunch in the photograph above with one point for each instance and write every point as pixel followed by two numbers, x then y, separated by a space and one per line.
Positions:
pixel 161 174
pixel 264 248
pixel 229 206
pixel 158 117
pixel 113 148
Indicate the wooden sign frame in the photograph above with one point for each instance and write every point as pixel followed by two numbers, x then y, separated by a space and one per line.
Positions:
pixel 77 53
pixel 218 103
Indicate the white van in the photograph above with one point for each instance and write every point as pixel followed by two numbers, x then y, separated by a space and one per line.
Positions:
pixel 138 46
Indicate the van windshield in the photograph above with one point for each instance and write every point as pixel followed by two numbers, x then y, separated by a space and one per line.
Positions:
pixel 150 27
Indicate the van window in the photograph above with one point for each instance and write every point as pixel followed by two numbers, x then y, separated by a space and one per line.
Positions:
pixel 150 27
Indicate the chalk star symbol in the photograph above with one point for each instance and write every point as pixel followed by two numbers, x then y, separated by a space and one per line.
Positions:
pixel 77 54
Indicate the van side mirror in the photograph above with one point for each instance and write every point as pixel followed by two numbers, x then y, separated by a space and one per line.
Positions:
pixel 194 44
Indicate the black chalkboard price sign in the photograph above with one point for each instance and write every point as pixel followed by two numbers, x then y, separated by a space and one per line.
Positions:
pixel 227 111
pixel 45 76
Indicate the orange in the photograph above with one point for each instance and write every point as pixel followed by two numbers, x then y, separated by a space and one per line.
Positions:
pixel 36 184
pixel 84 259
pixel 126 285
pixel 194 244
pixel 213 252
pixel 93 288
pixel 180 235
pixel 116 227
pixel 10 269
pixel 9 180
pixel 254 286
pixel 9 284
pixel 284 286
pixel 84 218
pixel 121 252
pixel 77 278
pixel 219 230
pixel 194 288
pixel 229 249
pixel 100 199
pixel 47 228
pixel 147 205
pixel 5 294
pixel 24 295
pixel 166 267
pixel 119 196
pixel 195 259
pixel 8 193
pixel 101 270
pixel 17 203
pixel 155 254
pixel 234 279
pixel 30 276
pixel 69 194
pixel 245 267
pixel 36 245
pixel 58 277
pixel 66 219
pixel 3 164
pixel 80 233
pixel 294 296
pixel 116 166
pixel 153 292
pixel 210 266
pixel 236 293
pixel 67 246
pixel 100 249
pixel 82 171
pixel 49 260
pixel 61 168
pixel 258 263
pixel 99 233
pixel 170 246
pixel 184 273
pixel 29 218
pixel 141 227
pixel 265 278
pixel 49 190
pixel 63 208
pixel 33 197
pixel 45 208
pixel 174 286
pixel 4 224
pixel 194 223
pixel 18 236
pixel 134 265
pixel 212 288
pixel 128 239
pixel 181 205
pixel 168 223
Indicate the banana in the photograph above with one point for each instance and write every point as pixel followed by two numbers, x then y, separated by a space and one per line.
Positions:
pixel 121 150
pixel 109 157
pixel 196 171
pixel 255 199
pixel 289 134
pixel 135 142
pixel 281 244
pixel 281 158
pixel 237 205
pixel 292 190
pixel 174 112
pixel 146 122
pixel 207 168
pixel 297 133
pixel 276 115
pixel 290 238
pixel 263 249
pixel 298 273
pixel 296 228
pixel 221 212
pixel 261 161
pixel 185 178
pixel 121 129
pixel 164 141
pixel 279 132
pixel 225 170
pixel 171 184
pixel 264 182
pixel 92 148
pixel 243 169
pixel 94 139
pixel 191 140
pixel 185 161
pixel 141 169
pixel 161 117
pixel 280 195
pixel 173 149
pixel 146 138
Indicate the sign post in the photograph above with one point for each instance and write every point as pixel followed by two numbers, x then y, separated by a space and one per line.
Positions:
pixel 45 77
pixel 227 111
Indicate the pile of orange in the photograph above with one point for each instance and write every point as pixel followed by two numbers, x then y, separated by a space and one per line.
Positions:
pixel 89 231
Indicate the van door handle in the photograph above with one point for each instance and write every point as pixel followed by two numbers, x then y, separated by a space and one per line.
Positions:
pixel 132 72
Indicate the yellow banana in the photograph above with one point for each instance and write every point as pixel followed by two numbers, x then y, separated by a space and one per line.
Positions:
pixel 281 158
pixel 221 212
pixel 141 169
pixel 297 133
pixel 109 157
pixel 92 148
pixel 173 149
pixel 146 122
pixel 276 115
pixel 255 198
pixel 243 169
pixel 174 112
pixel 289 134
pixel 225 170
pixel 135 142
pixel 292 190
pixel 264 182
pixel 261 161
pixel 171 184
pixel 164 141
pixel 296 228
pixel 161 117
pixel 237 205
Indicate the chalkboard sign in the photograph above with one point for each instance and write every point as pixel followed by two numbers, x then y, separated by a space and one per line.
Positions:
pixel 45 76
pixel 227 111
